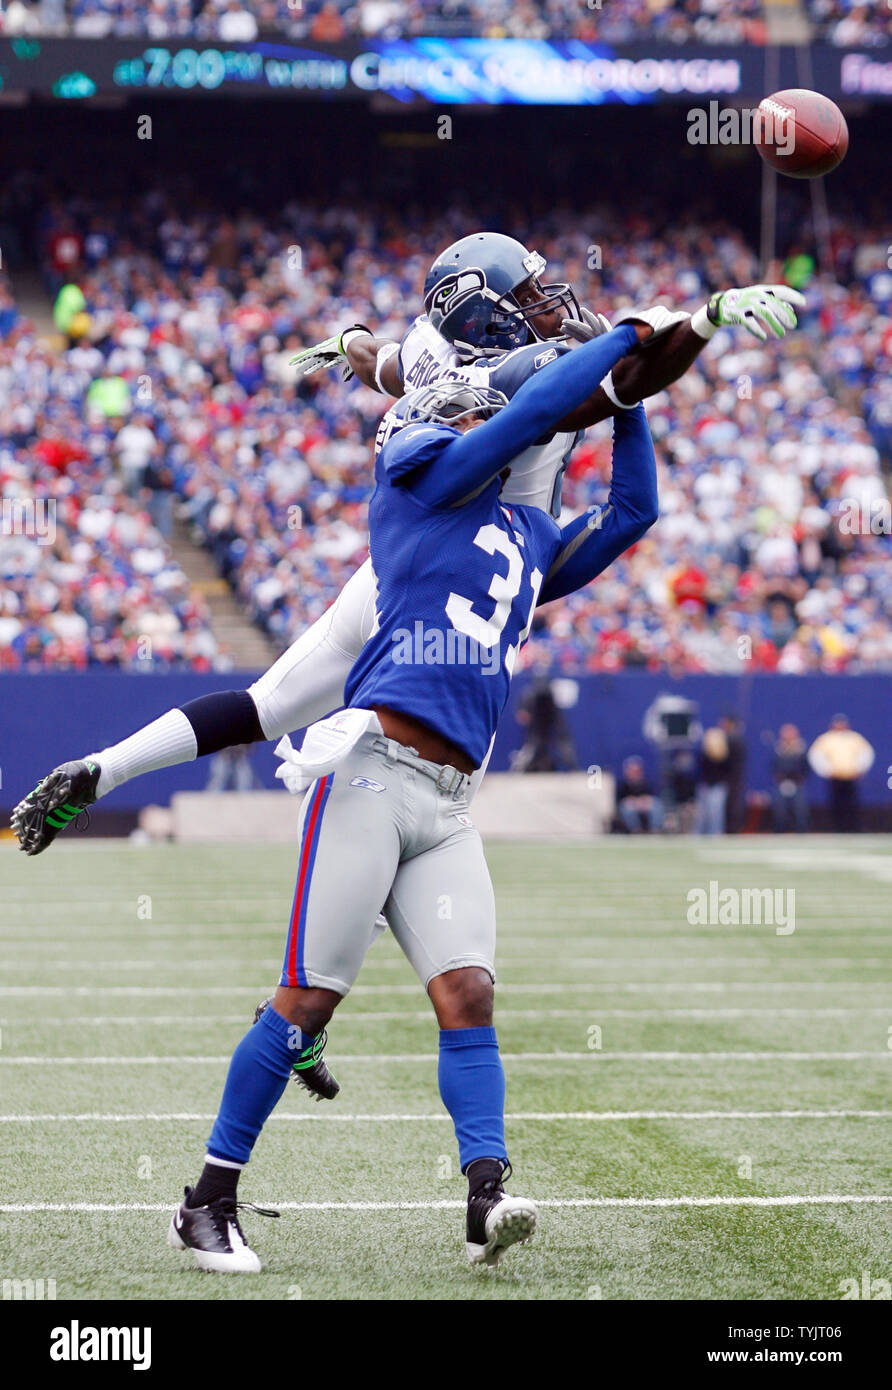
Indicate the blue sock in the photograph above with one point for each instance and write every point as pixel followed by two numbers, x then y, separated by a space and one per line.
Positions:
pixel 258 1073
pixel 472 1087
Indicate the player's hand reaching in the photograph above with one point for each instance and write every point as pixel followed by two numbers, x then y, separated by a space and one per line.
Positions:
pixel 587 326
pixel 763 310
pixel 330 353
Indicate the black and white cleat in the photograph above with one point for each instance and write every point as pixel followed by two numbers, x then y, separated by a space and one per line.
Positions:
pixel 496 1221
pixel 214 1235
pixel 57 800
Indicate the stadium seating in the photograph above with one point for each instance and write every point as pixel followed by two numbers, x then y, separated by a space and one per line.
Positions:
pixel 620 21
pixel 763 450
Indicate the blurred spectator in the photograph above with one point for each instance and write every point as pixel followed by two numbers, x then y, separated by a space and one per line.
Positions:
pixel 236 23
pixel 789 773
pixel 712 787
pixel 842 756
pixel 157 479
pixel 134 446
pixel 679 796
pixel 231 770
pixel 735 807
pixel 638 809
pixel 69 303
pixel 548 743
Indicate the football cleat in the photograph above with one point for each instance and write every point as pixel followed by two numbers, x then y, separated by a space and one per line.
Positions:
pixel 214 1235
pixel 497 1221
pixel 309 1069
pixel 56 800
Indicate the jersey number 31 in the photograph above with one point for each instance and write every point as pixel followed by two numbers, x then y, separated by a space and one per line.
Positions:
pixel 504 588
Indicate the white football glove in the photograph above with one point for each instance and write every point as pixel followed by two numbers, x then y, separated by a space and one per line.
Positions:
pixel 762 310
pixel 330 353
pixel 587 326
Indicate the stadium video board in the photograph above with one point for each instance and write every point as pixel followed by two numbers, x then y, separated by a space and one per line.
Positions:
pixel 446 71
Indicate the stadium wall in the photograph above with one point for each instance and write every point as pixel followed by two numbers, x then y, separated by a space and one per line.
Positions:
pixel 47 718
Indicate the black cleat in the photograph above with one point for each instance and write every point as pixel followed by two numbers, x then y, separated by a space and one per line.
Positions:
pixel 214 1234
pixel 309 1070
pixel 496 1221
pixel 54 802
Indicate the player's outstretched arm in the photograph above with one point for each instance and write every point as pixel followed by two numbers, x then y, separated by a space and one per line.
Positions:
pixel 594 540
pixel 472 460
pixel 763 310
pixel 376 362
pixel 373 360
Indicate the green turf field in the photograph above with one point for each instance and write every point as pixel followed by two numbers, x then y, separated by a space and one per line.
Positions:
pixel 741 1074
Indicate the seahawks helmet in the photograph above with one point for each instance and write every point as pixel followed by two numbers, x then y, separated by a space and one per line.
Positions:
pixel 447 402
pixel 469 295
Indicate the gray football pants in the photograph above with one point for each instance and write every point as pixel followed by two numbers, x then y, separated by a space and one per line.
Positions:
pixel 378 835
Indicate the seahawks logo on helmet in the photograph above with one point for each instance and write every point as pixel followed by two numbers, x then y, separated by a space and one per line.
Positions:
pixel 455 289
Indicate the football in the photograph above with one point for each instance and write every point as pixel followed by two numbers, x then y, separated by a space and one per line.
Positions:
pixel 801 133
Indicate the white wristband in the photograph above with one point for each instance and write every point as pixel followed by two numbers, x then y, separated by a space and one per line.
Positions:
pixel 384 357
pixel 349 334
pixel 609 390
pixel 702 324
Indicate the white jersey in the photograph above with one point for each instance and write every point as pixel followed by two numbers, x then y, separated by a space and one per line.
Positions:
pixel 536 474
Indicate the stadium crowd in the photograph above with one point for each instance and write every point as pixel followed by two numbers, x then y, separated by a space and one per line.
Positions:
pixel 848 23
pixel 852 23
pixel 175 380
pixel 235 21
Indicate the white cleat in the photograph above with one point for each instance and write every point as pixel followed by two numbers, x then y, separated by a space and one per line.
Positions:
pixel 497 1221
pixel 214 1236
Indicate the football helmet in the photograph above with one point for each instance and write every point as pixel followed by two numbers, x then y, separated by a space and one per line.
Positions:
pixel 446 402
pixel 469 295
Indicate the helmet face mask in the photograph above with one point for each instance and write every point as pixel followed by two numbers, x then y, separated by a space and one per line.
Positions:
pixel 554 297
pixel 447 402
pixel 470 295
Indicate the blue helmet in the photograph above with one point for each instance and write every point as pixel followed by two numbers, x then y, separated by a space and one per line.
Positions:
pixel 469 294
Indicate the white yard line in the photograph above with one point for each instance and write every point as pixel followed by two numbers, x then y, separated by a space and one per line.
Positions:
pixel 274 963
pixel 428 1058
pixel 333 1116
pixel 571 987
pixel 795 1200
pixel 427 1015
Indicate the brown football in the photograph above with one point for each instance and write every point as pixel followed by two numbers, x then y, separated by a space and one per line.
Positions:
pixel 801 133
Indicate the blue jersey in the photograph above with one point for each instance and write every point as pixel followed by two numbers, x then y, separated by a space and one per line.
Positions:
pixel 457 588
pixel 537 473
pixel 460 573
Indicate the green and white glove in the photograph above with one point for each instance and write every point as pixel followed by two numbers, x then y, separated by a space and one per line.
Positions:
pixel 330 353
pixel 763 310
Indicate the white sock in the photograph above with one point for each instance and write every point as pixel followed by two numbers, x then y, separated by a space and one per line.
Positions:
pixel 163 743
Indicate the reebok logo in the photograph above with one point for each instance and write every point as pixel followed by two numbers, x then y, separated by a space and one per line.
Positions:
pixel 76 1343
pixel 368 782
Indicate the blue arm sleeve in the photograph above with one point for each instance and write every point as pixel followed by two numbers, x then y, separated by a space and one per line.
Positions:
pixel 593 541
pixel 472 460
